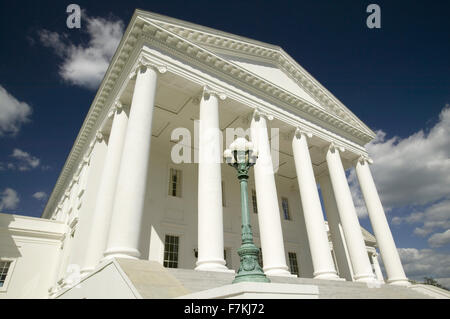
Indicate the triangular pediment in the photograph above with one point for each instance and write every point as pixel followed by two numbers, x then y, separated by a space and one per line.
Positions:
pixel 266 61
pixel 272 73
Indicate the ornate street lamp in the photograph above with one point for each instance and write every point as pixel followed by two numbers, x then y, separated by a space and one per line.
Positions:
pixel 241 156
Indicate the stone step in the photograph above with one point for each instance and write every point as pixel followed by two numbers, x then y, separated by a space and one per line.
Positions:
pixel 329 289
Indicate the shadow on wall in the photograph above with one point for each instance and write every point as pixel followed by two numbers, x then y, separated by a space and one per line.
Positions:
pixel 8 247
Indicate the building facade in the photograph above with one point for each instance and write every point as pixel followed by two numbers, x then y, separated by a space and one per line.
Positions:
pixel 145 178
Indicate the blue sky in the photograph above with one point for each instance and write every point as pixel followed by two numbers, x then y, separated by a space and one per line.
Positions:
pixel 395 79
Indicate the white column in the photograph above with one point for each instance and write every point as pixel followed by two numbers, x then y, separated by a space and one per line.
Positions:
pixel 271 235
pixel 105 199
pixel 385 241
pixel 210 214
pixel 376 266
pixel 347 214
pixel 336 231
pixel 312 210
pixel 123 239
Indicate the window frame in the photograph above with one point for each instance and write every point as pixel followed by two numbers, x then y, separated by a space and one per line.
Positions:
pixel 9 274
pixel 178 251
pixel 286 199
pixel 294 254
pixel 179 183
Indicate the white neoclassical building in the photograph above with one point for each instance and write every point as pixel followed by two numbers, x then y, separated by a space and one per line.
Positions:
pixel 132 188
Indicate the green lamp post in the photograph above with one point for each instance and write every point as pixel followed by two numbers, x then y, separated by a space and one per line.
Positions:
pixel 241 156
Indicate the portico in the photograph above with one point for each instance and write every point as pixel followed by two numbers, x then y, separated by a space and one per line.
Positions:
pixel 168 103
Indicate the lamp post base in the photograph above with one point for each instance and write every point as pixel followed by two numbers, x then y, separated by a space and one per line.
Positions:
pixel 249 269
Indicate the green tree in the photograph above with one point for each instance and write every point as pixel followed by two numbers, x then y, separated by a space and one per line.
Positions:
pixel 433 282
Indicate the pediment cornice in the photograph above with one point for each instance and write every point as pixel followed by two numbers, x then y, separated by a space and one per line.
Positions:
pixel 239 46
pixel 334 115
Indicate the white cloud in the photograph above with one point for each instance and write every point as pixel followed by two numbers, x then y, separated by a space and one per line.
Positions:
pixel 439 239
pixel 13 113
pixel 414 170
pixel 85 65
pixel 25 161
pixel 420 263
pixel 9 199
pixel 40 195
pixel 413 173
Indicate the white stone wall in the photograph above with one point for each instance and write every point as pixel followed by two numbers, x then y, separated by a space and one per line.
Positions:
pixel 33 244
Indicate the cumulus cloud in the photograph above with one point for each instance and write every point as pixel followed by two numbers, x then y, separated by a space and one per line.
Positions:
pixel 9 199
pixel 13 113
pixel 420 263
pixel 25 161
pixel 439 239
pixel 413 172
pixel 40 195
pixel 85 65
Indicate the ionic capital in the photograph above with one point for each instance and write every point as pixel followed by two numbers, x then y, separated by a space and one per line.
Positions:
pixel 363 159
pixel 207 91
pixel 299 131
pixel 99 136
pixel 145 63
pixel 116 108
pixel 332 147
pixel 258 113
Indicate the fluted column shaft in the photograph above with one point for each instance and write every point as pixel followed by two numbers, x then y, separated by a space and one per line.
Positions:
pixel 385 241
pixel 312 210
pixel 270 230
pixel 210 213
pixel 123 240
pixel 105 199
pixel 347 213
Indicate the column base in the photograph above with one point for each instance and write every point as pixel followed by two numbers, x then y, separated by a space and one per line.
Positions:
pixel 213 265
pixel 365 278
pixel 326 275
pixel 399 282
pixel 129 253
pixel 278 271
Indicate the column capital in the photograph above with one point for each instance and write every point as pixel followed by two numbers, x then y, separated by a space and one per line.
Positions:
pixel 362 159
pixel 332 147
pixel 207 90
pixel 99 136
pixel 116 108
pixel 144 62
pixel 301 131
pixel 257 113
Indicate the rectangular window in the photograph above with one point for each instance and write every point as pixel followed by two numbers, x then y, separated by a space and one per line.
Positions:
pixel 285 206
pixel 4 268
pixel 293 263
pixel 175 182
pixel 255 204
pixel 171 244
